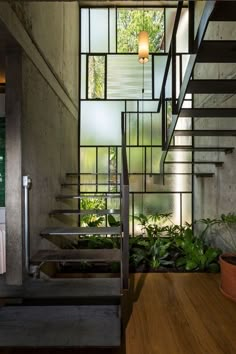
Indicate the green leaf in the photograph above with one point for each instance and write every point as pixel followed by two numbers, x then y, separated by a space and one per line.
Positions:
pixel 191 265
pixel 213 268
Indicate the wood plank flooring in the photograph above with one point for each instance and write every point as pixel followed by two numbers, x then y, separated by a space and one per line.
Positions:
pixel 171 314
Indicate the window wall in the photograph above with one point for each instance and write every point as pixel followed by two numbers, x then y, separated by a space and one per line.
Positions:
pixel 112 82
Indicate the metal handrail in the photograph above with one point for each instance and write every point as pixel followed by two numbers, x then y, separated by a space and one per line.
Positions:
pixel 124 208
pixel 27 182
pixel 170 53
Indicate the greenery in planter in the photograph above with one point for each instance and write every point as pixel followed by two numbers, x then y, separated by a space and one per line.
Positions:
pixel 164 245
pixel 194 254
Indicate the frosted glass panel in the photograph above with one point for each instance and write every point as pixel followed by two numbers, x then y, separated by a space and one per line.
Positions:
pixel 96 76
pixel 158 203
pixel 153 158
pixel 83 77
pixel 186 208
pixel 125 77
pixel 182 33
pixel 172 183
pixel 103 160
pixel 131 106
pixel 99 30
pixel 101 122
pixel 135 160
pixel 112 29
pixel 85 30
pixel 159 69
pixel 148 106
pixel 88 160
pixel 131 126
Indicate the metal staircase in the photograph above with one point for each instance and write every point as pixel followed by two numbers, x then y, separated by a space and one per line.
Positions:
pixel 62 312
pixel 86 312
pixel 202 51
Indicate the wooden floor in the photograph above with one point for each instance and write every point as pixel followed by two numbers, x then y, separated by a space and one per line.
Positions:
pixel 171 314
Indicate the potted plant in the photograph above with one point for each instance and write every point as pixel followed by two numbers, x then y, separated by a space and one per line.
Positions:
pixel 228 260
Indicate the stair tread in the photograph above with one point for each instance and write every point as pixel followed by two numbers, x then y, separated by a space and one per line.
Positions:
pixel 99 195
pixel 204 174
pixel 75 255
pixel 85 212
pixel 56 288
pixel 201 148
pixel 195 162
pixel 212 86
pixel 60 326
pixel 208 112
pixel 224 11
pixel 204 132
pixel 217 51
pixel 73 230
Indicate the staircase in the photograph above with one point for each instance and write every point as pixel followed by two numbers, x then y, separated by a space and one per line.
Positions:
pixel 82 312
pixel 202 52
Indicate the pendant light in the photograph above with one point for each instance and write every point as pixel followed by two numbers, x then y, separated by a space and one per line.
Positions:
pixel 143 44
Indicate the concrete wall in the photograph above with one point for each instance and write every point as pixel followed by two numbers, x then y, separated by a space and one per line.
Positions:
pixel 48 35
pixel 217 195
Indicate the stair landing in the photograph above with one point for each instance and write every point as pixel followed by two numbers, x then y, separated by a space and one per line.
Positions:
pixel 60 326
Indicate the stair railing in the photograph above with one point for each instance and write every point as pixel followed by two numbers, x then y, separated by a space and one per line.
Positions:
pixel 27 182
pixel 124 208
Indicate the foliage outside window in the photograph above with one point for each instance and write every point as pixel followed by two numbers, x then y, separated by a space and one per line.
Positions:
pixel 131 21
pixel 96 77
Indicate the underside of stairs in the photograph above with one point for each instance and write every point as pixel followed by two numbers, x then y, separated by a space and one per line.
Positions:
pixel 202 52
pixel 86 312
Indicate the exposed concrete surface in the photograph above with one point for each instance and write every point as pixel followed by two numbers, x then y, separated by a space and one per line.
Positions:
pixel 48 34
pixel 49 148
pixel 54 27
pixel 15 21
pixel 216 195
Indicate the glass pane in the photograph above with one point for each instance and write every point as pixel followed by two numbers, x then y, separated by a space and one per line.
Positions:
pixel 131 21
pixel 131 106
pixel 159 69
pixel 101 122
pixel 173 183
pixel 88 160
pixel 99 30
pixel 145 129
pixel 156 128
pixel 96 77
pixel 147 106
pixel 136 183
pixel 125 78
pixel 182 32
pixel 136 160
pixel 157 203
pixel 153 160
pixel 83 76
pixel 112 28
pixel 186 208
pixel 103 160
pixel 170 20
pixel 131 124
pixel 84 30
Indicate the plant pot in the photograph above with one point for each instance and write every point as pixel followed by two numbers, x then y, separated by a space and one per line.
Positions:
pixel 228 275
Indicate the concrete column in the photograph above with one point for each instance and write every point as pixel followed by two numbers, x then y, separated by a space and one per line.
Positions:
pixel 14 241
